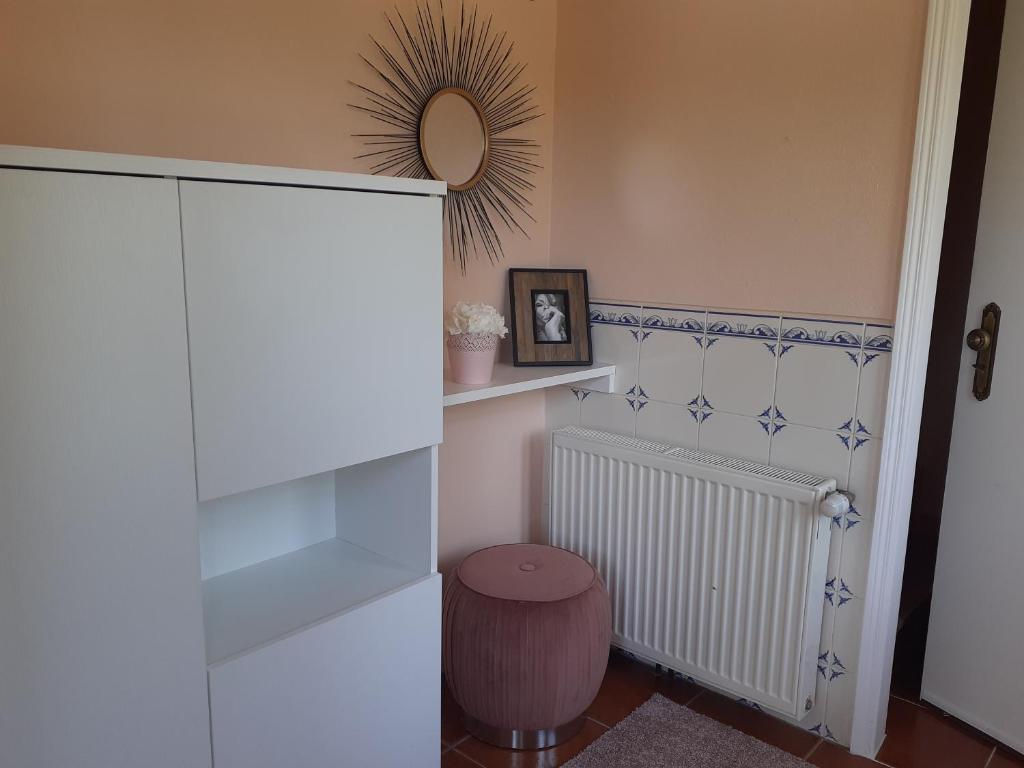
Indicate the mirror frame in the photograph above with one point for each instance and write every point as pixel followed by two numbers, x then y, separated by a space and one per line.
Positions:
pixel 431 54
pixel 484 160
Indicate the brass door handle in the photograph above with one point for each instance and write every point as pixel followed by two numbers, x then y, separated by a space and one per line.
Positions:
pixel 979 339
pixel 983 341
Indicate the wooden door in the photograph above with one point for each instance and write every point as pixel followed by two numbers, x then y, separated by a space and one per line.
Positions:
pixel 972 667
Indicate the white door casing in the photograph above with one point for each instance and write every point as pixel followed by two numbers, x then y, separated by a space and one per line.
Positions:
pixel 938 104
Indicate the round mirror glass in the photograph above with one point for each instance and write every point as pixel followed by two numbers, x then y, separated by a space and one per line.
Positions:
pixel 453 138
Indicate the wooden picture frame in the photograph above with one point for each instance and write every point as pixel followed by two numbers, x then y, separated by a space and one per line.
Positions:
pixel 550 312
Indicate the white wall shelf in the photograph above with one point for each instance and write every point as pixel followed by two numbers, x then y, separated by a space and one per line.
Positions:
pixel 247 608
pixel 509 380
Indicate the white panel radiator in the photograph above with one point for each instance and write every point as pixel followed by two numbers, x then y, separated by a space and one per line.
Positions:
pixel 715 566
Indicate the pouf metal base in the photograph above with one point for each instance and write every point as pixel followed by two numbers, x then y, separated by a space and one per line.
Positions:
pixel 508 738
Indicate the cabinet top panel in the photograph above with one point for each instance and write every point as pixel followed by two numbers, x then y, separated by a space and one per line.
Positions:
pixel 142 165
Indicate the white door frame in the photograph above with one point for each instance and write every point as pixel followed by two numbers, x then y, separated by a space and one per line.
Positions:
pixel 938 105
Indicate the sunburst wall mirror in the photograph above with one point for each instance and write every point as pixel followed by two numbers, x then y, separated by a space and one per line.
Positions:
pixel 449 92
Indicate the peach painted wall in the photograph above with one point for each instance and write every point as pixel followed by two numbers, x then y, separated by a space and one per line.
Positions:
pixel 750 155
pixel 266 81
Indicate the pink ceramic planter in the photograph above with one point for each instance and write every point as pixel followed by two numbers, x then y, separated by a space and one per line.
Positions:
pixel 472 357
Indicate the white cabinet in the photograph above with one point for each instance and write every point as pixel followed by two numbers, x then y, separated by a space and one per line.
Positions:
pixel 314 329
pixel 101 639
pixel 261 536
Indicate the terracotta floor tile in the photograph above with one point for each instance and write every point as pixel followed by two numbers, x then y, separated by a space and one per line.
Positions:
pixel 455 759
pixel 829 755
pixel 627 684
pixel 680 690
pixel 493 757
pixel 960 725
pixel 1003 759
pixel 920 738
pixel 451 717
pixel 790 738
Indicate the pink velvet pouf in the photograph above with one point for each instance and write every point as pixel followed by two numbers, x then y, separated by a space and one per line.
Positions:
pixel 527 629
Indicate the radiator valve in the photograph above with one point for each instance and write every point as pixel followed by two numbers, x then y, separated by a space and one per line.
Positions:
pixel 836 504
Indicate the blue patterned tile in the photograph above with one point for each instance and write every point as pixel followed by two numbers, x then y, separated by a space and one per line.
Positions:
pixel 667 422
pixel 610 413
pixel 818 379
pixel 729 435
pixel 614 314
pixel 742 325
pixel 807 449
pixel 671 361
pixel 874 389
pixel 690 321
pixel 739 369
pixel 878 337
pixel 615 334
pixel 562 407
pixel 824 333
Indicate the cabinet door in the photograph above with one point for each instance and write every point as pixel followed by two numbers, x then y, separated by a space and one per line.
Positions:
pixel 360 690
pixel 101 641
pixel 314 329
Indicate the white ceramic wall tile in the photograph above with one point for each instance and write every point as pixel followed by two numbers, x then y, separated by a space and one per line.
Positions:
pixel 736 436
pixel 830 710
pixel 874 389
pixel 814 720
pixel 815 451
pixel 846 585
pixel 666 422
pixel 818 371
pixel 842 664
pixel 817 720
pixel 671 354
pixel 610 413
pixel 739 362
pixel 848 595
pixel 562 407
pixel 838 664
pixel 864 485
pixel 615 335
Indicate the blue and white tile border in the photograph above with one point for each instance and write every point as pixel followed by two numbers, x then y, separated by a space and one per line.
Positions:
pixel 838 338
pixel 744 325
pixel 665 322
pixel 608 313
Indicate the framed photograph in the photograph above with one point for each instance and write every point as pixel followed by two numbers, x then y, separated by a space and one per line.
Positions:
pixel 549 309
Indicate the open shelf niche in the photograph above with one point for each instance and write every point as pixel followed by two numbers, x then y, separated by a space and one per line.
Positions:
pixel 282 558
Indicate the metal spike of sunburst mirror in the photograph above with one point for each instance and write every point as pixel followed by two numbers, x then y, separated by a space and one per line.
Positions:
pixel 451 96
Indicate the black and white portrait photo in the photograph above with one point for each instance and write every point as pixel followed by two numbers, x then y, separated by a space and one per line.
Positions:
pixel 551 317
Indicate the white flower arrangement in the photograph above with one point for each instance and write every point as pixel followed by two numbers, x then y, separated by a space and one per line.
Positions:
pixel 475 318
